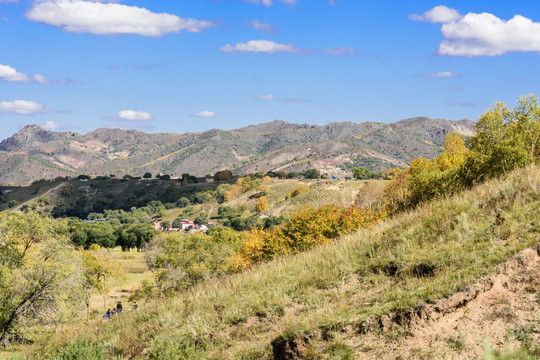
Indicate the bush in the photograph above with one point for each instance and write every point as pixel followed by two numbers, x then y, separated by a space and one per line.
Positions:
pixel 306 228
pixel 81 349
pixel 68 190
pixel 182 261
pixel 302 189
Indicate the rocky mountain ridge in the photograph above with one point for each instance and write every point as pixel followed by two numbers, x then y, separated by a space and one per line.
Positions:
pixel 34 153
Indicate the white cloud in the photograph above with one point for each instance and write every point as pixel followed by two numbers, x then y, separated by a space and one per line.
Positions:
pixel 132 115
pixel 22 107
pixel 7 73
pixel 439 14
pixel 265 27
pixel 487 35
pixel 340 51
pixel 271 97
pixel 40 79
pixel 268 97
pixel 271 47
pixel 269 3
pixel 67 81
pixel 260 46
pixel 441 74
pixel 482 34
pixel 204 114
pixel 110 19
pixel 50 125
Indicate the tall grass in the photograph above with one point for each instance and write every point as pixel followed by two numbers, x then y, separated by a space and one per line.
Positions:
pixel 403 263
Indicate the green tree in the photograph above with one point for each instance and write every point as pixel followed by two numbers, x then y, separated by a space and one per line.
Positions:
pixel 183 202
pixel 68 190
pixel 40 277
pixel 147 175
pixel 177 223
pixel 96 271
pixel 312 174
pixel 201 219
pixel 134 236
pixel 361 173
pixel 499 145
pixel 223 175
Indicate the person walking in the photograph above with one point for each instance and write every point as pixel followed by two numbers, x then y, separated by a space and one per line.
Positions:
pixel 119 307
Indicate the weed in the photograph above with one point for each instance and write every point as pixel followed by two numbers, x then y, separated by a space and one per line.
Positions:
pixel 456 343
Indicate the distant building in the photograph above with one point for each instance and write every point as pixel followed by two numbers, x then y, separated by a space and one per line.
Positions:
pixel 96 221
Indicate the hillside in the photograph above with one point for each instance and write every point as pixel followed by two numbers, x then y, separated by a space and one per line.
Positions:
pixel 364 295
pixel 34 153
pixel 97 196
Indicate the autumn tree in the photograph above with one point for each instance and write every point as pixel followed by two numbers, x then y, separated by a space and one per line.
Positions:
pixel 96 270
pixel 40 273
pixel 261 205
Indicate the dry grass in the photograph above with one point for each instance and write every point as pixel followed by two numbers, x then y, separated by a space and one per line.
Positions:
pixel 401 264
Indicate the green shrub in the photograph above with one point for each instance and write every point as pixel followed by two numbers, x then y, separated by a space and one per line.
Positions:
pixel 81 349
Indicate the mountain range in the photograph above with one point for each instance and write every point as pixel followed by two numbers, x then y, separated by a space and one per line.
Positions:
pixel 35 153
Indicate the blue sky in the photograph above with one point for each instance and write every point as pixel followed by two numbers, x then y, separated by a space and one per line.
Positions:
pixel 193 65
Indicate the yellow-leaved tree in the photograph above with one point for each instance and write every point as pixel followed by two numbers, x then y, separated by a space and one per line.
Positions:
pixel 261 205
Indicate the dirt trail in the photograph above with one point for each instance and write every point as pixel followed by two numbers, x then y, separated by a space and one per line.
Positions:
pixel 496 307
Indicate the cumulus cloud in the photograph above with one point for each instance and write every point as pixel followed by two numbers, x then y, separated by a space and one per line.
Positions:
pixel 441 74
pixel 439 14
pixel 22 107
pixel 260 46
pixel 80 16
pixel 269 3
pixel 50 125
pixel 482 34
pixel 8 73
pixel 133 116
pixel 204 114
pixel 487 35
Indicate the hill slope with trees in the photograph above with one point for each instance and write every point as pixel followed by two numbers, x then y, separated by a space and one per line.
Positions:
pixel 34 153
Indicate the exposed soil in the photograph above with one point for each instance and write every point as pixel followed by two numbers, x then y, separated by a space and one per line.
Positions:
pixel 460 326
pixel 502 310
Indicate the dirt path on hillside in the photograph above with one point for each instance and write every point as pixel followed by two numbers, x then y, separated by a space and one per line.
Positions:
pixel 501 309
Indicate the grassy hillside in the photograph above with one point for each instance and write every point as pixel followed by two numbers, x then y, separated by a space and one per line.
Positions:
pixel 317 304
pixel 114 194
